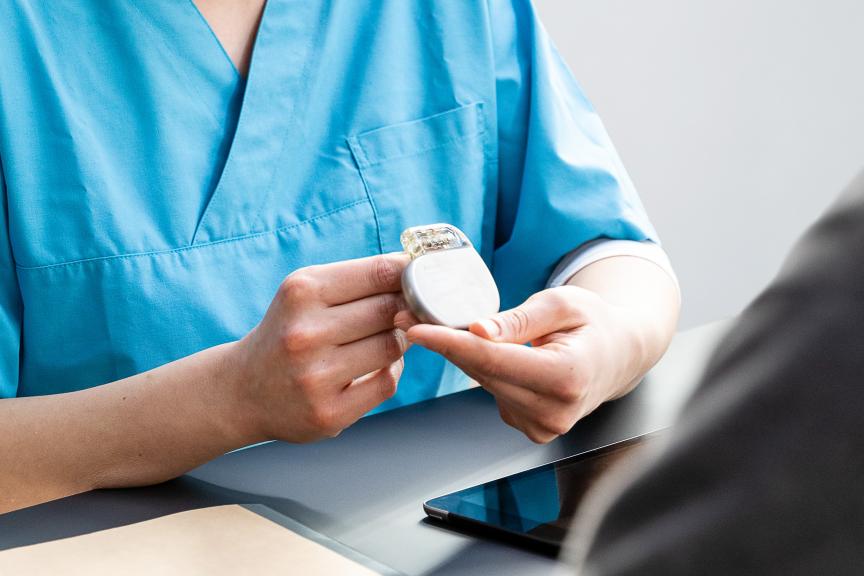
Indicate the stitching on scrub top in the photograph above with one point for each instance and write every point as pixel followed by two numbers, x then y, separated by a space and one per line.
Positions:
pixel 301 80
pixel 196 246
pixel 357 152
pixel 440 144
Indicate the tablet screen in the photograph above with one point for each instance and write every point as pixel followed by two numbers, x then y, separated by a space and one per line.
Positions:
pixel 538 504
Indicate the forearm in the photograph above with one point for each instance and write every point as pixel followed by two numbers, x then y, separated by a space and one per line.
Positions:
pixel 647 294
pixel 144 429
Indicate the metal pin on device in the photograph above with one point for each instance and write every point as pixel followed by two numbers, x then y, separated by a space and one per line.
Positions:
pixel 446 282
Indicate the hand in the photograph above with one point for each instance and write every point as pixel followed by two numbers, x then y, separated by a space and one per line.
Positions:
pixel 584 351
pixel 326 351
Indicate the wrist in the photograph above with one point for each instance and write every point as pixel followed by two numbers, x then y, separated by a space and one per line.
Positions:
pixel 232 376
pixel 646 296
pixel 648 339
pixel 631 336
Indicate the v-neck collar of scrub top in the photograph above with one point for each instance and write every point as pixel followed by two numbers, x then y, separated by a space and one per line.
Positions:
pixel 280 61
pixel 225 56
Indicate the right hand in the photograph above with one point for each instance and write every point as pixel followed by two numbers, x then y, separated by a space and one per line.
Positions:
pixel 326 351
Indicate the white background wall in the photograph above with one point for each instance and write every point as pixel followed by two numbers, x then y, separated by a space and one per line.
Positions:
pixel 739 121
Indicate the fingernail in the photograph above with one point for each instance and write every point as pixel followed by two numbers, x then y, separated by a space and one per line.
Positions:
pixel 412 336
pixel 491 328
pixel 402 338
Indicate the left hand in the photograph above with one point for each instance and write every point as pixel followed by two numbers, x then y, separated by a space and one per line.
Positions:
pixel 583 352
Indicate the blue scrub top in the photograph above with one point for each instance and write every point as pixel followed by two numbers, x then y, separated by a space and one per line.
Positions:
pixel 154 200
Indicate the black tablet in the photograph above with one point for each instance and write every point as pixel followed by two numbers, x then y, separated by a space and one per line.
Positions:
pixel 535 507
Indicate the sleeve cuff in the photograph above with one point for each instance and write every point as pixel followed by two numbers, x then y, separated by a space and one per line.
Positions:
pixel 603 248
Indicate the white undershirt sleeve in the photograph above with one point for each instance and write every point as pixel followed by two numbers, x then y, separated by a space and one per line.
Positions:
pixel 595 250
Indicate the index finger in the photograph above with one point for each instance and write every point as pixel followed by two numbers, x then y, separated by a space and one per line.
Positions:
pixel 350 280
pixel 514 363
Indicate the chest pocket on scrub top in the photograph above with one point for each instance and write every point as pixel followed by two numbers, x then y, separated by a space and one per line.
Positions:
pixel 425 171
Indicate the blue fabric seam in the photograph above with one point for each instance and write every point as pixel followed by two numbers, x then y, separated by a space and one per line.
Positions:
pixel 360 158
pixel 303 80
pixel 363 160
pixel 196 246
pixel 359 153
pixel 417 152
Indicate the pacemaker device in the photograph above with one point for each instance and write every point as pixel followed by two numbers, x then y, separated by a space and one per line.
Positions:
pixel 446 282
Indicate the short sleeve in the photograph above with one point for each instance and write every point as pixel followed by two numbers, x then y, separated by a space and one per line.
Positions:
pixel 10 305
pixel 561 182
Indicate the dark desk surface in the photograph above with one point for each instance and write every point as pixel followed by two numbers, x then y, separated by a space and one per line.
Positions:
pixel 366 487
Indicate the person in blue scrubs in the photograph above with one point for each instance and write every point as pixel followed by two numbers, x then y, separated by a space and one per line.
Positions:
pixel 202 202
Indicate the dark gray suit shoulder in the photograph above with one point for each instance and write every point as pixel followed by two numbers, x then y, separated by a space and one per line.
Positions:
pixel 765 471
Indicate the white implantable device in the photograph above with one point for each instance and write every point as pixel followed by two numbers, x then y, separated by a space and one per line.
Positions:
pixel 446 282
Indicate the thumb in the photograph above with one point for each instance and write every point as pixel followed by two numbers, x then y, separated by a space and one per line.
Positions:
pixel 542 314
